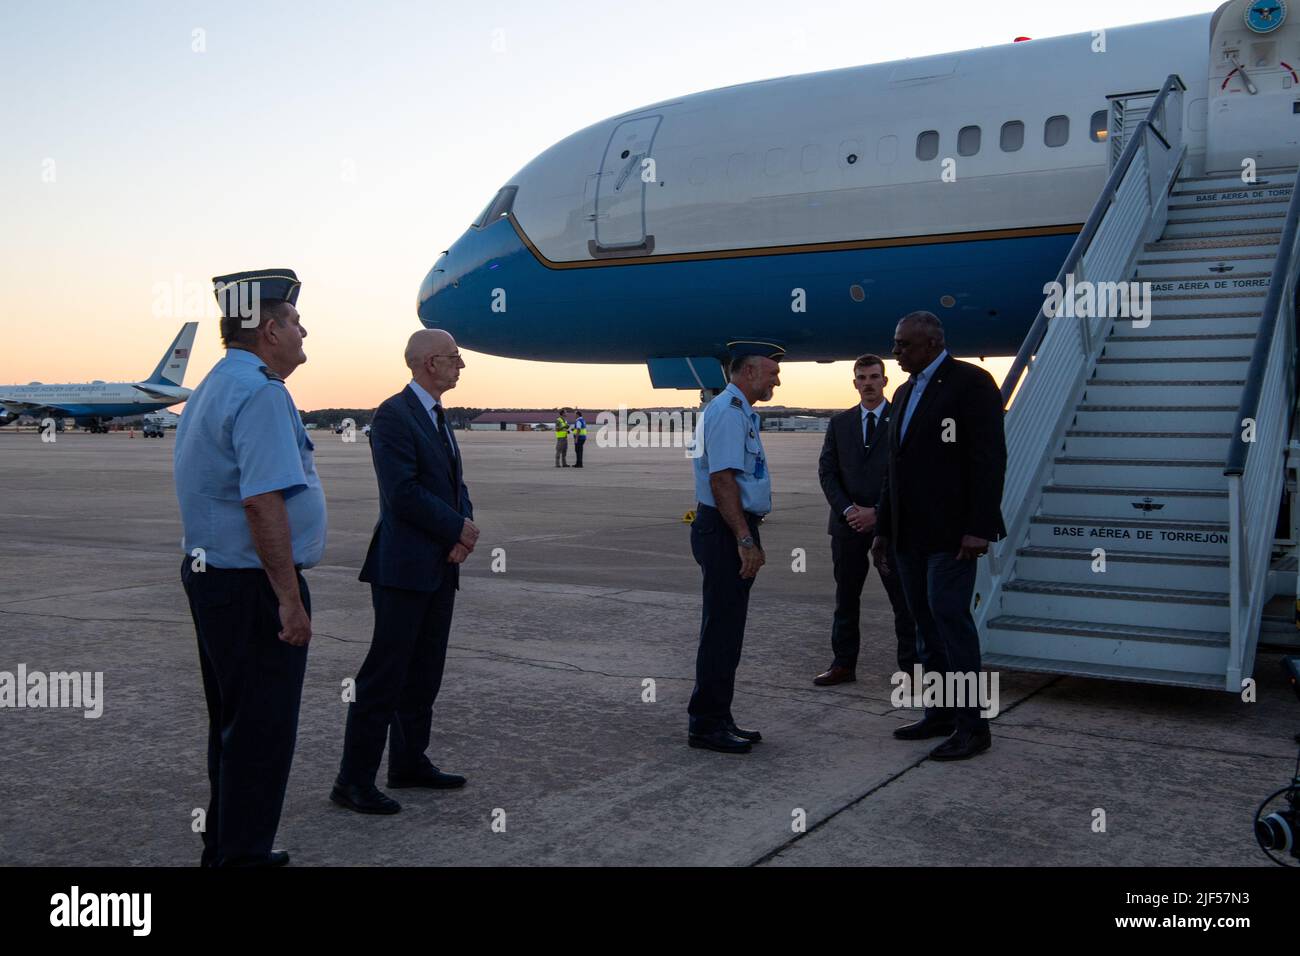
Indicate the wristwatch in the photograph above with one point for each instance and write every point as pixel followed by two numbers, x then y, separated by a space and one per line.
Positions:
pixel 746 542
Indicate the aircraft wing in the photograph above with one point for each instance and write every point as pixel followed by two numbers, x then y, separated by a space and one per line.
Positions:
pixel 28 408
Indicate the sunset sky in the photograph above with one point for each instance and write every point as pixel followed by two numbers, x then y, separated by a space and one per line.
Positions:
pixel 148 146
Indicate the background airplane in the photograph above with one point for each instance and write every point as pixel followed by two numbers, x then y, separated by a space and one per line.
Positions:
pixel 813 211
pixel 94 404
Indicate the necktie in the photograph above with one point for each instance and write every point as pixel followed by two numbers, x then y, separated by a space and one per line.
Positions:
pixel 871 428
pixel 442 432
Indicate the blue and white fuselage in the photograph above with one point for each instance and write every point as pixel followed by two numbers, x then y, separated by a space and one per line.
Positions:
pixel 812 211
pixel 97 402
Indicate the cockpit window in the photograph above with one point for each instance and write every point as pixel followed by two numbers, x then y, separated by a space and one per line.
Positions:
pixel 500 205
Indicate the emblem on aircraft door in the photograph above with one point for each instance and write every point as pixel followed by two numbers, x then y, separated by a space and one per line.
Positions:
pixel 1265 16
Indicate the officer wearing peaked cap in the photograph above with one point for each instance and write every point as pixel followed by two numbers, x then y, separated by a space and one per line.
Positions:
pixel 254 516
pixel 734 492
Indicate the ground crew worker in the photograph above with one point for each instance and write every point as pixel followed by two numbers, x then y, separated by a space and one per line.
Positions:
pixel 734 492
pixel 254 515
pixel 579 437
pixel 561 440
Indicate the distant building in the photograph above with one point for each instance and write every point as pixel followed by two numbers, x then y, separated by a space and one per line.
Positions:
pixel 514 421
pixel 796 423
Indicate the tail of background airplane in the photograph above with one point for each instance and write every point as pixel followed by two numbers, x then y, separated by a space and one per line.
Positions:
pixel 171 368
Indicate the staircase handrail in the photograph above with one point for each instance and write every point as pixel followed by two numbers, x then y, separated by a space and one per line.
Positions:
pixel 1262 427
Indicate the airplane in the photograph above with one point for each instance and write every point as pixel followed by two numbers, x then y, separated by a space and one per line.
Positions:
pixel 94 404
pixel 814 211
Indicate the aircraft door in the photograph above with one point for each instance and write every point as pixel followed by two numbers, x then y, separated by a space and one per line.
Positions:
pixel 619 216
pixel 1254 87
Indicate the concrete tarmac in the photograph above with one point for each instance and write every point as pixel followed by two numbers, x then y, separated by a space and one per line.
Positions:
pixel 543 704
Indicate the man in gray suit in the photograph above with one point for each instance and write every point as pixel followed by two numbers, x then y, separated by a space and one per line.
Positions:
pixel 852 467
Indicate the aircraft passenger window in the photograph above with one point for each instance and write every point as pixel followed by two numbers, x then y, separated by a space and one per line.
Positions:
pixel 1056 131
pixel 968 141
pixel 500 205
pixel 1013 136
pixel 1099 127
pixel 927 145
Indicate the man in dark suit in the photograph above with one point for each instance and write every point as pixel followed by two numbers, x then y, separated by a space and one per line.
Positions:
pixel 425 532
pixel 852 470
pixel 940 508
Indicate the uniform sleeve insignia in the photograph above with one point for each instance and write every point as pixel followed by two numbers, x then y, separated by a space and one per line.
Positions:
pixel 735 402
pixel 269 374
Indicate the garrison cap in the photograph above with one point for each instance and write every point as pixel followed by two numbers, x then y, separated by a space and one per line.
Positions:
pixel 746 348
pixel 238 292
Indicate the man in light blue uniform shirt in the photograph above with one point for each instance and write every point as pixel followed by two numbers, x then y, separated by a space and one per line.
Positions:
pixel 734 491
pixel 254 515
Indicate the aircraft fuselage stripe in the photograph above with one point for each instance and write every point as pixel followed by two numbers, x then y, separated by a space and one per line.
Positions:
pixel 840 246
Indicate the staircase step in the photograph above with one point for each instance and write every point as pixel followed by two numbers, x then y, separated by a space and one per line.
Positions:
pixel 1148 535
pixel 1232 255
pixel 1125 568
pixel 1103 501
pixel 1103 671
pixel 1270 189
pixel 1144 344
pixel 1067 603
pixel 1217 239
pixel 1225 229
pixel 1114 391
pixel 1227 211
pixel 1227 201
pixel 1269 176
pixel 1268 217
pixel 1175 446
pixel 1206 268
pixel 1169 320
pixel 1169 418
pixel 1213 368
pixel 1170 304
pixel 1139 473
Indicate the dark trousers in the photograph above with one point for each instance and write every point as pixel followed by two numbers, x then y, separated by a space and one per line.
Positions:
pixel 852 558
pixel 253 684
pixel 577 449
pixel 398 682
pixel 722 628
pixel 939 590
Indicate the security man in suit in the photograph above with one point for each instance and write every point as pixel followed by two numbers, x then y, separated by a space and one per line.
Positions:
pixel 254 515
pixel 561 439
pixel 852 469
pixel 940 508
pixel 734 491
pixel 425 531
pixel 579 437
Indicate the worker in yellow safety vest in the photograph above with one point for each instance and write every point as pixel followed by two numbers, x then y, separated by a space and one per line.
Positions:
pixel 561 440
pixel 579 436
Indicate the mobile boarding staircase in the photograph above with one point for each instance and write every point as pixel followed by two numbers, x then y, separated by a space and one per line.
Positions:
pixel 1147 464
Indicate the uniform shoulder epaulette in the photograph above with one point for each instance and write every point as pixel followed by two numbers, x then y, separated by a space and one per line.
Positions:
pixel 735 402
pixel 273 376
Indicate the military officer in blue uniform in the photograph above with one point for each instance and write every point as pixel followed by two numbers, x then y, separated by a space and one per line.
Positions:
pixel 254 516
pixel 734 492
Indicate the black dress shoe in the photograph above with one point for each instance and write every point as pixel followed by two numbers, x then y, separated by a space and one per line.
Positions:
pixel 363 799
pixel 431 779
pixel 753 736
pixel 278 858
pixel 924 728
pixel 723 741
pixel 835 675
pixel 962 745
